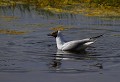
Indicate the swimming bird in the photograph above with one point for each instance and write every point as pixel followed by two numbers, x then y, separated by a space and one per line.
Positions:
pixel 75 45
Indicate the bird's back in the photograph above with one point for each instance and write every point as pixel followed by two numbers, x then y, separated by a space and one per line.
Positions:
pixel 76 44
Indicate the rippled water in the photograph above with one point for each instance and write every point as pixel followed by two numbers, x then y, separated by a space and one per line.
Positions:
pixel 33 56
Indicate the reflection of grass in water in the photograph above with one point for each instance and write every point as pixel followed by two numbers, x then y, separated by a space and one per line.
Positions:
pixel 11 32
pixel 34 25
pixel 116 35
pixel 111 18
pixel 37 25
pixel 8 18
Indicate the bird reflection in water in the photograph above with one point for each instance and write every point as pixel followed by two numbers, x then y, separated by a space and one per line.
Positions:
pixel 57 60
pixel 55 64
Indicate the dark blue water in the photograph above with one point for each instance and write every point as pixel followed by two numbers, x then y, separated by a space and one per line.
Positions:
pixel 33 56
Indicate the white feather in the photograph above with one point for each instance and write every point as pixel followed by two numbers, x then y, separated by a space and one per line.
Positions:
pixel 72 45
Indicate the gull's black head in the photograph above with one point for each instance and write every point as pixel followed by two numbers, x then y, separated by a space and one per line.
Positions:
pixel 54 34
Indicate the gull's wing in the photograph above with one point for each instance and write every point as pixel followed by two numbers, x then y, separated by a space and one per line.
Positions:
pixel 73 45
pixel 79 44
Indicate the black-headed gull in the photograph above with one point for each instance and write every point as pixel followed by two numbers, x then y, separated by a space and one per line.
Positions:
pixel 74 45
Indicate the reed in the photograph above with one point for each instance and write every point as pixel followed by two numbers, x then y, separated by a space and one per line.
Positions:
pixel 60 3
pixel 114 3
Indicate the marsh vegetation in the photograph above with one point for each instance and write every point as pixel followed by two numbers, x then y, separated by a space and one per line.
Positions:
pixel 87 7
pixel 27 52
pixel 56 3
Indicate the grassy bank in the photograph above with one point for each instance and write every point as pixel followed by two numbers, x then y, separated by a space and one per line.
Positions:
pixel 113 3
pixel 59 3
pixel 87 7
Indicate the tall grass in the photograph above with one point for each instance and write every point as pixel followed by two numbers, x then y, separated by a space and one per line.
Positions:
pixel 114 3
pixel 40 3
pixel 60 3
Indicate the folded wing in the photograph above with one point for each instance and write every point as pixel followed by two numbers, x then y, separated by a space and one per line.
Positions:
pixel 77 44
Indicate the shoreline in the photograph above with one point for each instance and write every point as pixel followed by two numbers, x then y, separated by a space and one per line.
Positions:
pixel 107 11
pixel 76 8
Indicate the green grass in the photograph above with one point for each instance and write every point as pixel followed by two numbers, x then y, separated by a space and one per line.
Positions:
pixel 114 3
pixel 91 7
pixel 60 3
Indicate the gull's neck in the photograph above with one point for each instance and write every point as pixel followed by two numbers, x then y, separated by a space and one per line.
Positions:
pixel 59 40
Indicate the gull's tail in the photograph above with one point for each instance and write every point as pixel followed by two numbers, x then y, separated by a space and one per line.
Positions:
pixel 97 36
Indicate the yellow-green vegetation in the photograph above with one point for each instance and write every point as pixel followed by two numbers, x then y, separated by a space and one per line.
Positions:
pixel 117 35
pixel 58 28
pixel 87 7
pixel 113 3
pixel 58 3
pixel 7 3
pixel 11 32
pixel 8 18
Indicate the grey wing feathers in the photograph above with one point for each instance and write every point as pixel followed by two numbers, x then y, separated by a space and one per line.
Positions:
pixel 75 44
pixel 72 45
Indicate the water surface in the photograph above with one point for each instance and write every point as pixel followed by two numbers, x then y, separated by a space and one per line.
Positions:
pixel 33 56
